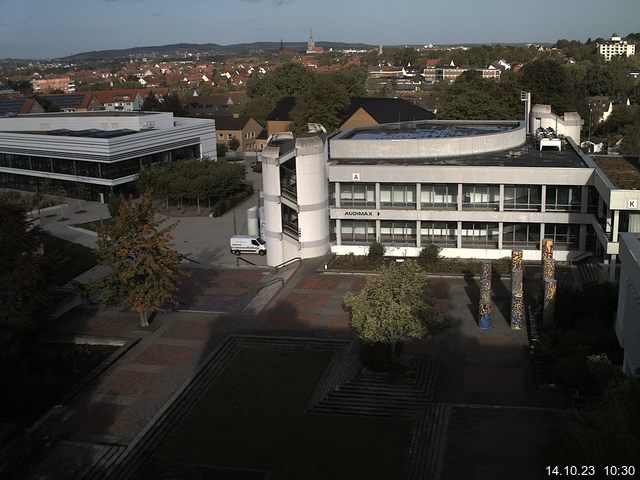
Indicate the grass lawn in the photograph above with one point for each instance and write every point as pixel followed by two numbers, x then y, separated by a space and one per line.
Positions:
pixel 42 376
pixel 253 417
pixel 95 224
pixel 71 259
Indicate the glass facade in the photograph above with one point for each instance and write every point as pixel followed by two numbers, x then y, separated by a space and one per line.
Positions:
pixel 523 197
pixel 83 168
pixel 563 235
pixel 438 196
pixel 563 199
pixel 443 234
pixel 398 195
pixel 521 235
pixel 398 233
pixel 357 232
pixel 358 195
pixel 480 235
pixel 480 197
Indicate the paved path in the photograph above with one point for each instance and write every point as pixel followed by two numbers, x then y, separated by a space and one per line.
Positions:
pixel 495 417
pixel 204 239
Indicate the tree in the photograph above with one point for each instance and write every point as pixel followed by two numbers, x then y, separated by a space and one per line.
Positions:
pixel 234 144
pixel 392 307
pixel 429 255
pixel 221 149
pixel 142 259
pixel 290 79
pixel 324 104
pixel 24 283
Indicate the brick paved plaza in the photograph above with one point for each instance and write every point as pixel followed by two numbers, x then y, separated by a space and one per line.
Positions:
pixel 492 417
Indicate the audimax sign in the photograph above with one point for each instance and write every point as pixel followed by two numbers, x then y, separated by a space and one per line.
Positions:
pixel 360 213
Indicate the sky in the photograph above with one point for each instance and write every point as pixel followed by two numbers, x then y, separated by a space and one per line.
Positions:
pixel 55 28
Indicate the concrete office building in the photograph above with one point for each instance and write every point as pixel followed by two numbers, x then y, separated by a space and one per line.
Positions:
pixel 95 154
pixel 476 189
pixel 628 316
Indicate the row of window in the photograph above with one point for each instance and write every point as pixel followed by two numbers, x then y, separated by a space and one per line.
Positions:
pixel 82 168
pixel 445 234
pixel 474 197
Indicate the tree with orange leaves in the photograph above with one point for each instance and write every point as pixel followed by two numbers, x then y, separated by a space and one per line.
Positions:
pixel 142 259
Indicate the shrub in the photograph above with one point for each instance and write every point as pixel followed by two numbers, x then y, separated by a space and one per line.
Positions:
pixel 429 255
pixel 219 208
pixel 376 252
pixel 257 167
pixel 221 149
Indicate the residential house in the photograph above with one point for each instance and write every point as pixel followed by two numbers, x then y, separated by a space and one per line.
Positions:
pixel 213 105
pixel 246 129
pixel 75 102
pixel 44 85
pixel 11 107
pixel 361 112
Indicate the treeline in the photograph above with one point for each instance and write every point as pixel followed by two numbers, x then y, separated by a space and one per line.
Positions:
pixel 196 182
pixel 322 97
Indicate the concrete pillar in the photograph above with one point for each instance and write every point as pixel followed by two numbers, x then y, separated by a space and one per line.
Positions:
pixel 543 198
pixel 541 236
pixel 252 222
pixel 500 228
pixel 517 310
pixel 377 195
pixel 484 309
pixel 612 268
pixel 418 239
pixel 516 270
pixel 501 199
pixel 459 235
pixel 337 192
pixel 582 239
pixel 459 196
pixel 549 306
pixel 616 225
pixel 418 196
pixel 548 269
pixel 584 199
pixel 547 248
pixel 338 232
pixel 378 232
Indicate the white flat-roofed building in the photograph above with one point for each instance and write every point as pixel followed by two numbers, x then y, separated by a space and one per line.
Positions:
pixel 95 154
pixel 477 189
pixel 628 316
pixel 616 47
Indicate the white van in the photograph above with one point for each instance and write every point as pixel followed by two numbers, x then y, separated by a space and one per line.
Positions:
pixel 246 244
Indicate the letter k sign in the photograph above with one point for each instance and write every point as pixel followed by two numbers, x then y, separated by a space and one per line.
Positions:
pixel 632 203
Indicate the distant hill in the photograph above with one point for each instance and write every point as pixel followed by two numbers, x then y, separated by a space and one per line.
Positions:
pixel 180 49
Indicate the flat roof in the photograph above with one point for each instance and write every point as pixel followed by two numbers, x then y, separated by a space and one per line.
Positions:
pixel 100 113
pixel 623 172
pixel 423 130
pixel 526 155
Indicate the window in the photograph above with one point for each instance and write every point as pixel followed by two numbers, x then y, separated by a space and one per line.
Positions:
pixel 563 235
pixel 439 233
pixel 221 136
pixel 396 195
pixel 441 196
pixel 357 195
pixel 480 197
pixel 563 199
pixel 398 233
pixel 522 197
pixel 357 232
pixel 332 194
pixel 480 235
pixel 229 136
pixel 521 235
